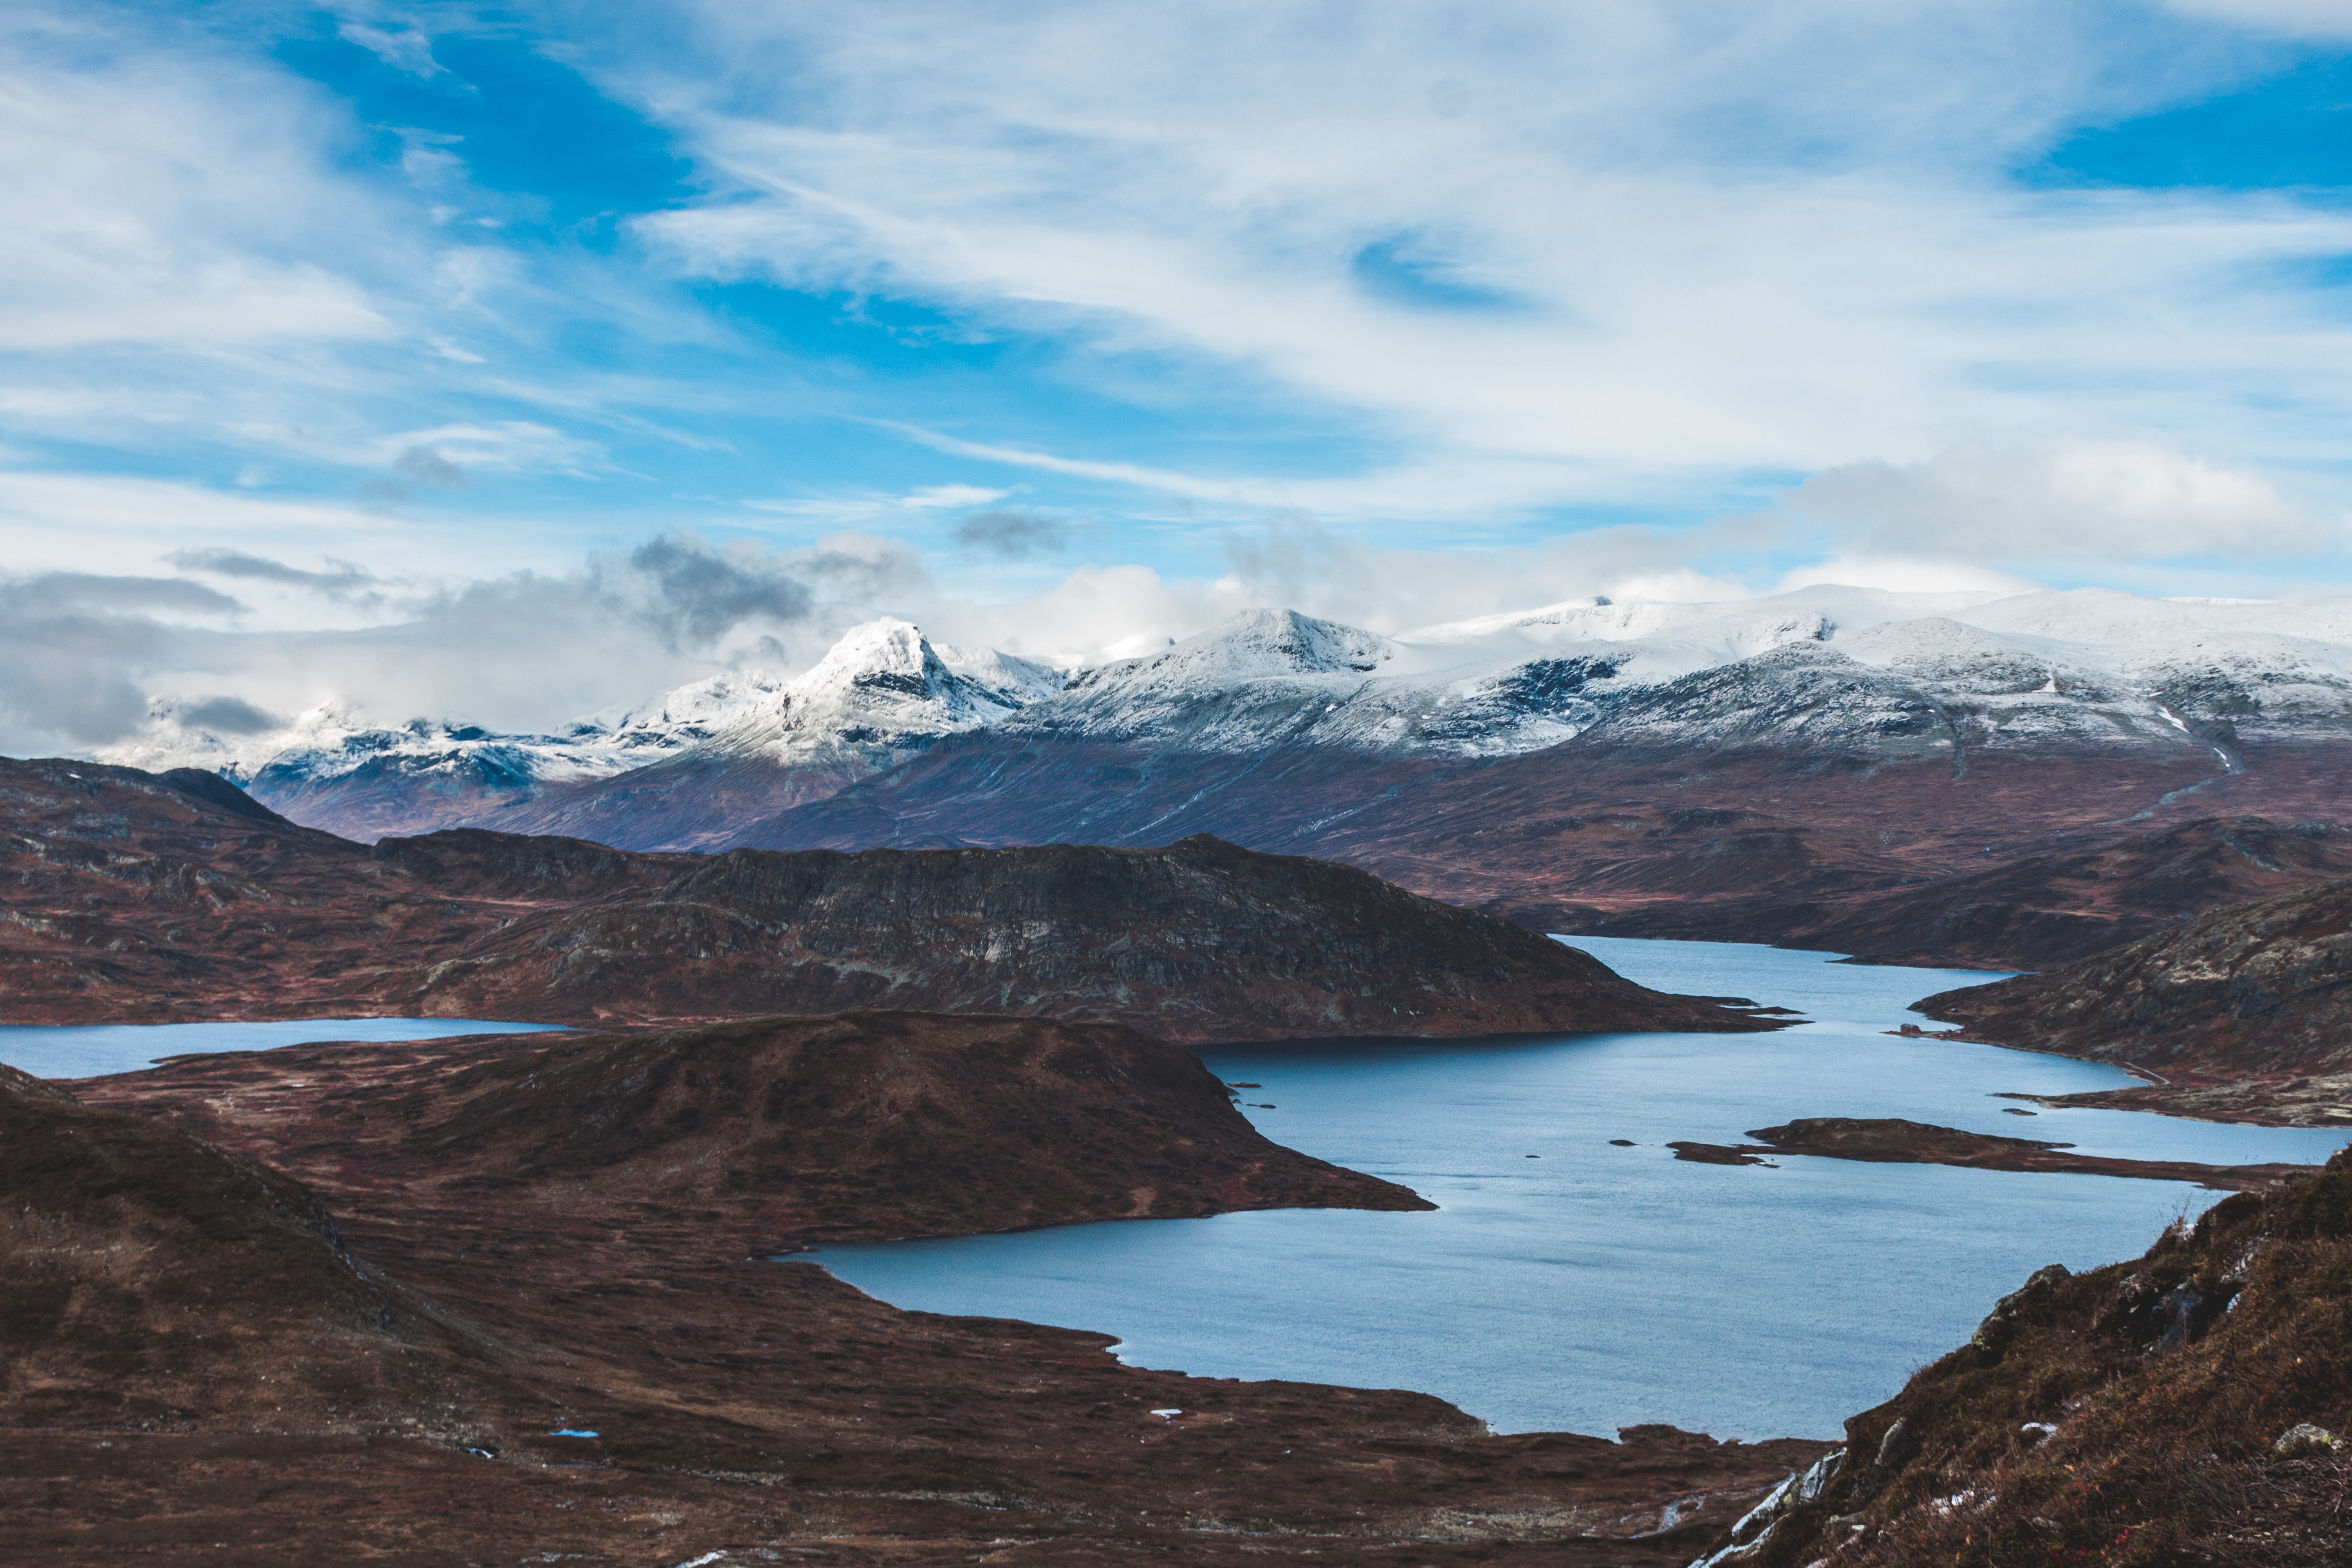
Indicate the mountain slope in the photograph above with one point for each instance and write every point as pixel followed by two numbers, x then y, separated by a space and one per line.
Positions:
pixel 1199 941
pixel 132 900
pixel 2041 909
pixel 2182 1408
pixel 689 759
pixel 149 1276
pixel 2246 1010
pixel 1874 744
pixel 863 1125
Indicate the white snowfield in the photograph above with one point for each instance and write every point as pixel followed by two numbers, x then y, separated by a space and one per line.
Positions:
pixel 1836 666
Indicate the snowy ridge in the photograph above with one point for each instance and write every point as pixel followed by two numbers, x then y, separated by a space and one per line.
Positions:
pixel 882 692
pixel 1853 669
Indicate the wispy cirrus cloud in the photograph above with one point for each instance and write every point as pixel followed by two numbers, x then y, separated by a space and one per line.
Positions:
pixel 1640 247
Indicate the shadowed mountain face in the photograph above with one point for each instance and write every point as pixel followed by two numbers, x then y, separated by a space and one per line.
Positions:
pixel 2244 1011
pixel 130 900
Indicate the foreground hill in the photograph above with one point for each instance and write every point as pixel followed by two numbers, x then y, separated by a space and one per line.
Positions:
pixel 135 897
pixel 2244 1012
pixel 2184 1407
pixel 862 1127
pixel 542 1324
pixel 150 1276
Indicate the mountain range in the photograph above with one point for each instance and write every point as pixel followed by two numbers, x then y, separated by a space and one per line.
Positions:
pixel 1585 766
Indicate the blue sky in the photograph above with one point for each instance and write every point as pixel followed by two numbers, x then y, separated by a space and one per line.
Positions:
pixel 1071 327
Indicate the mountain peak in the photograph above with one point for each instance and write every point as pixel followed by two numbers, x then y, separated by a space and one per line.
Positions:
pixel 886 652
pixel 1285 641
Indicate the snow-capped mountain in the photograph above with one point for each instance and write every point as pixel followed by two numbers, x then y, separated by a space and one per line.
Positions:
pixel 881 693
pixel 1853 668
pixel 879 690
pixel 1856 672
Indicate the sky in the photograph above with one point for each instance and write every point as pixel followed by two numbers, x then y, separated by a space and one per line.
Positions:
pixel 505 363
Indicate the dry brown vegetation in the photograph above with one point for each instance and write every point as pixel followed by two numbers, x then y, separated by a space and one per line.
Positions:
pixel 2124 1418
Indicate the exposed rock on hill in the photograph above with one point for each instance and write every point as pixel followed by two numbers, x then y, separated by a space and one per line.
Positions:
pixel 865 1125
pixel 2134 1414
pixel 2244 1012
pixel 129 899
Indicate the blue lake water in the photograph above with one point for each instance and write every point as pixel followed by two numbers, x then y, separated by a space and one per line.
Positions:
pixel 1595 1287
pixel 88 1050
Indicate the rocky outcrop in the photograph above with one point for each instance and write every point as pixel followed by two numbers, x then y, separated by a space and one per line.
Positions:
pixel 2138 1413
pixel 2240 1011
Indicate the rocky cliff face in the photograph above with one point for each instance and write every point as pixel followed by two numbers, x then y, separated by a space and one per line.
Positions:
pixel 2245 1008
pixel 130 900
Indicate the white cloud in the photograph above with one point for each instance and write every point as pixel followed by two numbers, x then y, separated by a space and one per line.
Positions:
pixel 403 48
pixel 2303 18
pixel 2056 501
pixel 1897 574
pixel 1778 240
pixel 165 196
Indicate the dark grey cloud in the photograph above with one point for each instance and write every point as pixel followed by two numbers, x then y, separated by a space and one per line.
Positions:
pixel 74 646
pixel 56 591
pixel 226 716
pixel 416 465
pixel 422 465
pixel 1010 535
pixel 700 594
pixel 341 578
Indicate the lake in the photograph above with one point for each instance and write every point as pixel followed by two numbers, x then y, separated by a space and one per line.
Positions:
pixel 1593 1287
pixel 90 1051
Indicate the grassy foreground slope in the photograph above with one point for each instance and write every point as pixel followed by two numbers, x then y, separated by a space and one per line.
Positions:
pixel 2182 1408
